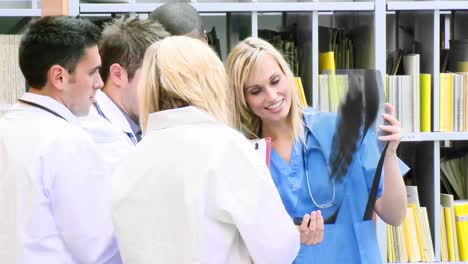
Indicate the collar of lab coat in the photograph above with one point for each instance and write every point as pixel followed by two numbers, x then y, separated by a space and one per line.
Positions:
pixel 51 104
pixel 188 115
pixel 112 112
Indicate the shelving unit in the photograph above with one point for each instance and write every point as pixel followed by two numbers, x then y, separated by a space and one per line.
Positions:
pixel 380 17
pixel 435 136
pixel 426 5
pixel 307 11
pixel 425 18
pixel 233 7
pixel 18 12
pixel 13 14
pixel 20 8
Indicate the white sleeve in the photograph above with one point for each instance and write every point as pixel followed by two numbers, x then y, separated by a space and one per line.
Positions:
pixel 80 201
pixel 251 201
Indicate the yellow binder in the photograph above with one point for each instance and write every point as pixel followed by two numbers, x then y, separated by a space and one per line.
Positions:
pixel 461 222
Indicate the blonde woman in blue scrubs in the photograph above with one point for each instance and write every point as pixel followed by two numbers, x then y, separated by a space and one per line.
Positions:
pixel 263 86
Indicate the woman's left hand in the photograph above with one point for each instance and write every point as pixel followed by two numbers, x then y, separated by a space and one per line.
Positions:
pixel 311 229
pixel 391 128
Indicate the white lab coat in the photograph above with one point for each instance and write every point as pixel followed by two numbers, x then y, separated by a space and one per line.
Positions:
pixel 194 191
pixel 112 113
pixel 113 145
pixel 54 205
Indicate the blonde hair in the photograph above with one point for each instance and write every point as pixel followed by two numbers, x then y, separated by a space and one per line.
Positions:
pixel 242 62
pixel 179 71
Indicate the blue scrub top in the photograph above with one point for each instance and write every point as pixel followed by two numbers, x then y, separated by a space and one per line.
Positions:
pixel 349 239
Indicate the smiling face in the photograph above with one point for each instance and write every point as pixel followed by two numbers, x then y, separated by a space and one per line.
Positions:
pixel 82 84
pixel 268 91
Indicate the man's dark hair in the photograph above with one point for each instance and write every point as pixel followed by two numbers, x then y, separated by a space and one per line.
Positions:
pixel 178 18
pixel 52 41
pixel 125 40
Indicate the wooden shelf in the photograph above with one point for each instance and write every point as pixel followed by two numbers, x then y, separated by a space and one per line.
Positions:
pixel 20 12
pixel 233 7
pixel 434 136
pixel 427 5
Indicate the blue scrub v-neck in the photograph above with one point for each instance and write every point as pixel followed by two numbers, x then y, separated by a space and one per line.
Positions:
pixel 288 176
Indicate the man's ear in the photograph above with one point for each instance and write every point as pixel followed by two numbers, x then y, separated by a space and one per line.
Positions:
pixel 57 77
pixel 117 74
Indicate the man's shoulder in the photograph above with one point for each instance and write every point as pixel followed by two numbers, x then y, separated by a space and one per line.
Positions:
pixel 45 135
pixel 101 130
pixel 52 130
pixel 40 121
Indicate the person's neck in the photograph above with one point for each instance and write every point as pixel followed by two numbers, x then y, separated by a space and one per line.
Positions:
pixel 114 94
pixel 281 138
pixel 45 91
pixel 277 130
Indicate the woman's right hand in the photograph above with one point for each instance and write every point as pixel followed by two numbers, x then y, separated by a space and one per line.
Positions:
pixel 313 233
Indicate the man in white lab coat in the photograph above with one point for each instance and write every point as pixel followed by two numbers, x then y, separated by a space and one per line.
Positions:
pixel 122 48
pixel 54 206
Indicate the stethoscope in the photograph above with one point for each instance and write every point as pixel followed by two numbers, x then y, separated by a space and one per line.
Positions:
pixel 43 108
pixel 329 203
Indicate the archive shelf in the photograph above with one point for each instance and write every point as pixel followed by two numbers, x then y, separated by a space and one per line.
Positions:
pixel 20 8
pixel 18 12
pixel 435 136
pixel 426 5
pixel 233 7
pixel 429 23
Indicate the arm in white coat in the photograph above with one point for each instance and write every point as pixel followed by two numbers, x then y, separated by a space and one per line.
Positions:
pixel 80 201
pixel 252 201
